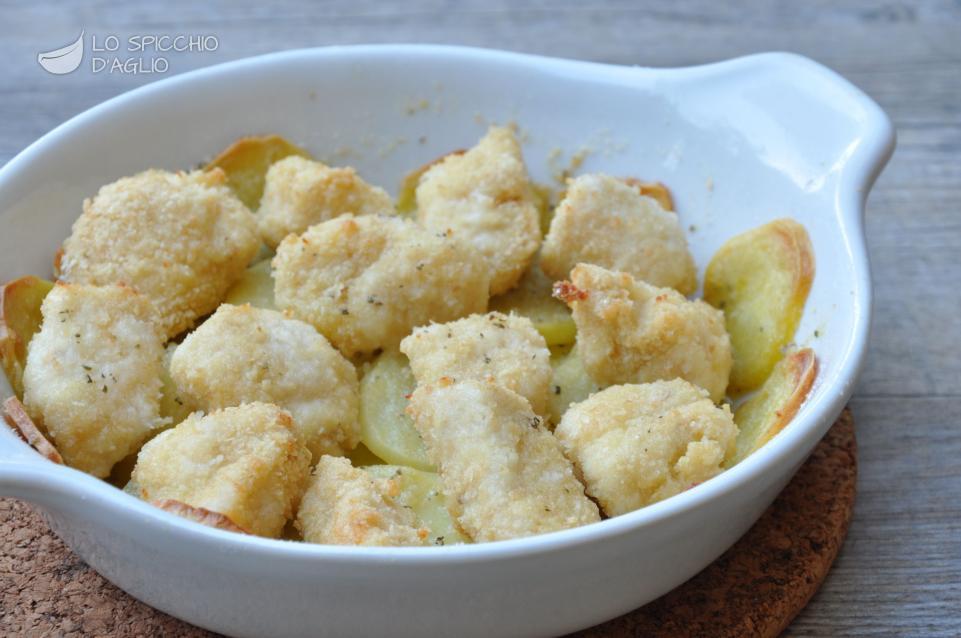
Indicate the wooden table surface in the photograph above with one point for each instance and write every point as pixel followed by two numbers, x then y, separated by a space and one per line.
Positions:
pixel 900 571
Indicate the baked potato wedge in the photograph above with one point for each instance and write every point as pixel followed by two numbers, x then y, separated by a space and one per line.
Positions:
pixel 20 319
pixel 654 190
pixel 571 382
pixel 246 162
pixel 775 403
pixel 545 200
pixel 385 428
pixel 360 456
pixel 761 280
pixel 200 515
pixel 407 193
pixel 21 423
pixel 421 492
pixel 533 298
pixel 255 287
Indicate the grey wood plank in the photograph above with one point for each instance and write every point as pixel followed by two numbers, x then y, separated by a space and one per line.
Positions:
pixel 900 570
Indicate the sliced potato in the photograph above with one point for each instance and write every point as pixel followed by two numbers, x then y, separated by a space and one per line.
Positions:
pixel 761 280
pixel 421 492
pixel 385 428
pixel 571 382
pixel 544 198
pixel 407 193
pixel 200 515
pixel 21 423
pixel 20 319
pixel 775 404
pixel 255 287
pixel 246 162
pixel 654 190
pixel 361 456
pixel 533 298
pixel 264 253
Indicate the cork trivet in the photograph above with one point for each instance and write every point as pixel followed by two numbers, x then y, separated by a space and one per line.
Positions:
pixel 754 589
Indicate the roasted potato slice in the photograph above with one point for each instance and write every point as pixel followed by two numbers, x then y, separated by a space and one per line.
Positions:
pixel 775 404
pixel 532 298
pixel 255 287
pixel 20 319
pixel 654 190
pixel 265 253
pixel 761 280
pixel 407 193
pixel 246 162
pixel 21 423
pixel 385 428
pixel 200 515
pixel 571 382
pixel 361 456
pixel 422 493
pixel 545 198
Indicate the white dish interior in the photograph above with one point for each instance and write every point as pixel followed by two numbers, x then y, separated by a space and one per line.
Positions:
pixel 739 143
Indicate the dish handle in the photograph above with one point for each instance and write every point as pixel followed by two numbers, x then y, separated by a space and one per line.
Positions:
pixel 803 118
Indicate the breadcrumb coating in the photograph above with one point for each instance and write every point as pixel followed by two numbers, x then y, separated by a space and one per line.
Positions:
pixel 174 405
pixel 243 354
pixel 504 348
pixel 485 197
pixel 248 463
pixel 634 445
pixel 345 505
pixel 503 472
pixel 604 221
pixel 92 378
pixel 366 282
pixel 631 332
pixel 181 239
pixel 300 192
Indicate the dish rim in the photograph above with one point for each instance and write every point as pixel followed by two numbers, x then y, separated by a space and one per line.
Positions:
pixel 858 173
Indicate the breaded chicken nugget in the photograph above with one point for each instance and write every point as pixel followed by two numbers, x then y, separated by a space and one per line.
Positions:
pixel 631 332
pixel 248 463
pixel 345 505
pixel 300 192
pixel 181 239
pixel 366 282
pixel 504 348
pixel 606 222
pixel 92 378
pixel 484 196
pixel 504 474
pixel 638 444
pixel 243 354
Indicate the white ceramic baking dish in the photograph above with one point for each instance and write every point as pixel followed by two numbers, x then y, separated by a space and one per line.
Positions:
pixel 738 142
